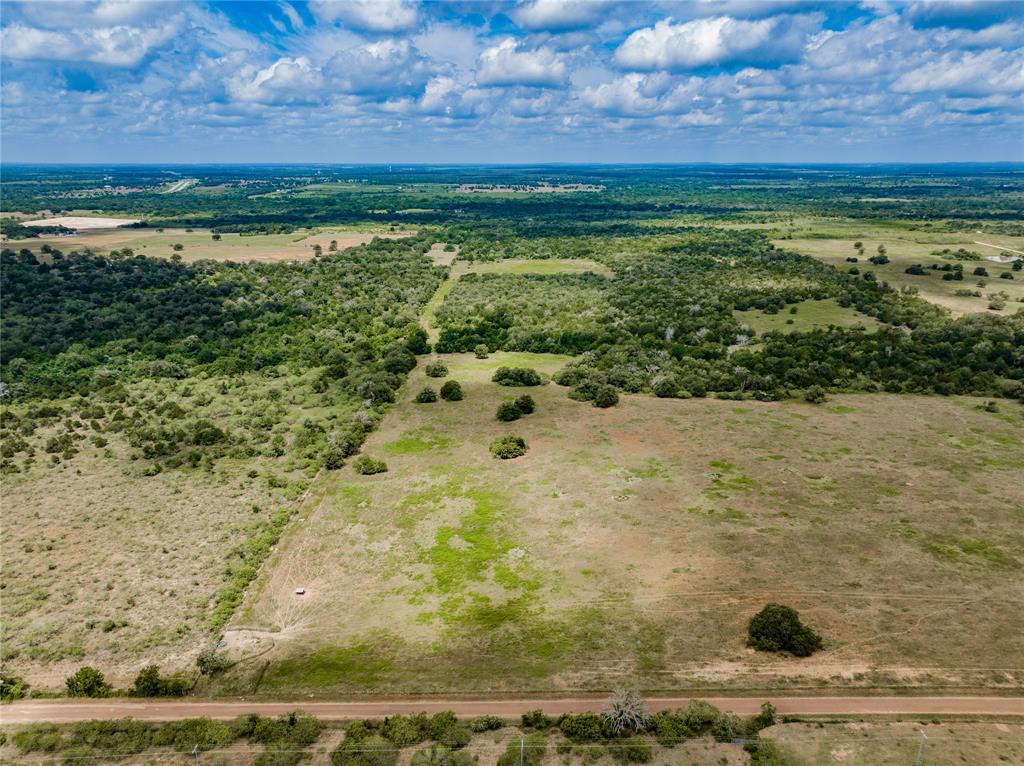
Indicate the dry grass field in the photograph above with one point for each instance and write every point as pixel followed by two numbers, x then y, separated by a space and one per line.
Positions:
pixel 634 543
pixel 199 244
pixel 809 315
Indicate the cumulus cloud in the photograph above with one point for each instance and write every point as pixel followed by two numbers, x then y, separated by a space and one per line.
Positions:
pixel 969 74
pixel 119 46
pixel 368 15
pixel 506 64
pixel 286 81
pixel 558 15
pixel 970 14
pixel 639 95
pixel 381 69
pixel 716 40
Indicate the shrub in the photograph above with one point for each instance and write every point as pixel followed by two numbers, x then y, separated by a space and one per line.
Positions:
pixel 631 750
pixel 149 683
pixel 445 728
pixel 815 395
pixel 184 735
pixel 606 396
pixel 426 396
pixel 665 386
pixel 11 687
pixel 211 662
pixel 727 727
pixel 525 404
pixel 373 750
pixel 436 369
pixel 296 729
pixel 87 682
pixel 399 361
pixel 507 412
pixel 38 737
pixel 700 716
pixel 368 466
pixel 451 391
pixel 582 727
pixel 777 628
pixel 481 351
pixel 537 719
pixel 764 719
pixel 435 755
pixel 528 751
pixel 671 727
pixel 486 723
pixel 626 712
pixel 516 376
pixel 112 738
pixel 406 730
pixel 508 447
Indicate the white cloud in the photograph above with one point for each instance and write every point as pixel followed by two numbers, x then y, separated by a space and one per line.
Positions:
pixel 638 95
pixel 286 81
pixel 384 68
pixel 505 64
pixel 558 15
pixel 120 46
pixel 992 71
pixel 368 15
pixel 716 40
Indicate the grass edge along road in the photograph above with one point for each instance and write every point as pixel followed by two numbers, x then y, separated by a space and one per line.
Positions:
pixel 65 711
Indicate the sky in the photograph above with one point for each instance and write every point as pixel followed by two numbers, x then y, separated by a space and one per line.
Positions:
pixel 528 81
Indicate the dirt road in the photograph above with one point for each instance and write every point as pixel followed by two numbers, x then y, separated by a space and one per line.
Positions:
pixel 65 711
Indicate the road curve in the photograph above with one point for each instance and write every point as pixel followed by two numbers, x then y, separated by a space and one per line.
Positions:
pixel 68 711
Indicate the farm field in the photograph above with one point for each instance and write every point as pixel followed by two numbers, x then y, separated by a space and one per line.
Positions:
pixel 635 542
pixel 199 245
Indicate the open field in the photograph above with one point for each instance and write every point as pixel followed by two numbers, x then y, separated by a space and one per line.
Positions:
pixel 82 223
pixel 932 287
pixel 199 245
pixel 809 315
pixel 635 542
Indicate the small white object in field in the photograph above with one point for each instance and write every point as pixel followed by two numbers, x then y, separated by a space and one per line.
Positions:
pixel 300 591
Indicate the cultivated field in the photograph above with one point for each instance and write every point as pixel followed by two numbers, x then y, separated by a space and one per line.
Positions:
pixel 633 544
pixel 198 244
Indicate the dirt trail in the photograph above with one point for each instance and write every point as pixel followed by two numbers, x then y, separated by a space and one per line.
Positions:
pixel 66 711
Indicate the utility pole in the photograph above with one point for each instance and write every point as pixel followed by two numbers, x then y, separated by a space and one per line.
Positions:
pixel 195 752
pixel 920 749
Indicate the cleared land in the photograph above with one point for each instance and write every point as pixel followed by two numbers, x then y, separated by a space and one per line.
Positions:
pixel 809 315
pixel 634 543
pixel 931 287
pixel 199 244
pixel 82 223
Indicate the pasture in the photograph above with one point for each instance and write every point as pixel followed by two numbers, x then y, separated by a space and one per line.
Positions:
pixel 634 543
pixel 199 244
pixel 808 315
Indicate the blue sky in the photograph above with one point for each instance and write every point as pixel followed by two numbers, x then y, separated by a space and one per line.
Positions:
pixel 528 81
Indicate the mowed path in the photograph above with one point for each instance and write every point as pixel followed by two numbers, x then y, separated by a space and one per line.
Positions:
pixel 67 711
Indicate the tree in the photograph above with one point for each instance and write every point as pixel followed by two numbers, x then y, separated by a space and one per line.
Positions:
pixel 451 391
pixel 211 662
pixel 149 683
pixel 525 404
pixel 317 251
pixel 481 351
pixel 626 712
pixel 215 237
pixel 777 628
pixel 507 412
pixel 426 396
pixel 606 396
pixel 87 682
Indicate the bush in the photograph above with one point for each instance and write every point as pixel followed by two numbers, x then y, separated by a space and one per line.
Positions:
pixel 87 682
pixel 727 727
pixel 507 412
pixel 486 723
pixel 508 447
pixel 211 662
pixel 38 737
pixel 184 735
pixel 406 730
pixel 481 351
pixel 626 712
pixel 436 369
pixel 777 628
pixel 764 719
pixel 631 750
pixel 11 687
pixel 373 750
pixel 297 730
pixel 700 716
pixel 526 752
pixel 367 466
pixel 451 391
pixel 582 727
pixel 446 729
pixel 516 376
pixel 435 755
pixel 671 727
pixel 112 738
pixel 815 395
pixel 148 683
pixel 537 719
pixel 525 404
pixel 606 396
pixel 426 396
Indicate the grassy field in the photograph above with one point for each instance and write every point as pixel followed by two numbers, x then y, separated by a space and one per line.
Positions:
pixel 199 244
pixel 107 563
pixel 903 253
pixel 634 543
pixel 809 315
